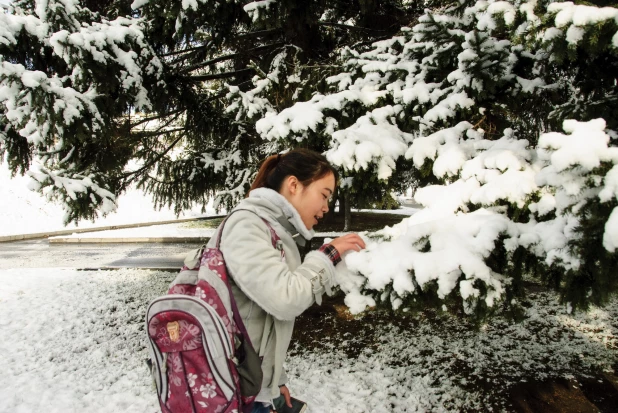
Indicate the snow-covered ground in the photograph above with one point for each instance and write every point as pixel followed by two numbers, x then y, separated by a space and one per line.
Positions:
pixel 73 341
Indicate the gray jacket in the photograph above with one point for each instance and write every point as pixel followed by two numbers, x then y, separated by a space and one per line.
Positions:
pixel 271 291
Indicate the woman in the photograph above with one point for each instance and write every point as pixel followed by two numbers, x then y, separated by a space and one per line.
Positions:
pixel 271 288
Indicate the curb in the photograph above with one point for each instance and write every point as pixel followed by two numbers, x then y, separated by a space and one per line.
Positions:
pixel 114 268
pixel 21 237
pixel 156 240
pixel 143 240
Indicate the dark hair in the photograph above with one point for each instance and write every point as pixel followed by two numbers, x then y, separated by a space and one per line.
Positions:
pixel 306 165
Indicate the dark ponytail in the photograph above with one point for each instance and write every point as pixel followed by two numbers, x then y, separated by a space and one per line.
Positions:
pixel 306 165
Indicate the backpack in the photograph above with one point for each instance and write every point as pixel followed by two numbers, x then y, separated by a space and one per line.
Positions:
pixel 202 359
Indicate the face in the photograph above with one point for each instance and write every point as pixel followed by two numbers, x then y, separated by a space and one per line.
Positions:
pixel 310 201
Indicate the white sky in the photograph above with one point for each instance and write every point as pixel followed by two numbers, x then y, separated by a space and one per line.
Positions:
pixel 24 211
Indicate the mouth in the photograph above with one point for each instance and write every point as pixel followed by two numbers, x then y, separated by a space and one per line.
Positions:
pixel 317 218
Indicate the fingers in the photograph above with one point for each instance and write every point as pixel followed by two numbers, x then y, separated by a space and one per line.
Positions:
pixel 359 241
pixel 286 395
pixel 349 242
pixel 356 240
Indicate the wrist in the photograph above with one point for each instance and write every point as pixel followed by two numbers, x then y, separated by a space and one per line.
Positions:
pixel 331 252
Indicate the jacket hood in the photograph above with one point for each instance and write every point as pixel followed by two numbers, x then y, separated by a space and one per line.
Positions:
pixel 271 205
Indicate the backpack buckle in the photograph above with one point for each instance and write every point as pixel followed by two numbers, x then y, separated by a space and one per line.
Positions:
pixel 173 329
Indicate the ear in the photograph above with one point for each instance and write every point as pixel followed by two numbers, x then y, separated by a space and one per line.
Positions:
pixel 292 184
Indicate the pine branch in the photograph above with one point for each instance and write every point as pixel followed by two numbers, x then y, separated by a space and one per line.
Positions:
pixel 229 56
pixel 215 76
pixel 190 49
pixel 135 174
pixel 50 153
pixel 251 35
pixel 210 62
pixel 165 125
pixel 349 27
pixel 152 178
pixel 369 42
pixel 157 133
pixel 156 117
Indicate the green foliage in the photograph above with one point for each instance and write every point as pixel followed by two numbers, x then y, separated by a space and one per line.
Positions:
pixel 596 279
pixel 16 149
pixel 525 76
pixel 202 53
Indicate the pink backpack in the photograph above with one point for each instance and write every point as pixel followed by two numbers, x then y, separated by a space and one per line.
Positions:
pixel 201 355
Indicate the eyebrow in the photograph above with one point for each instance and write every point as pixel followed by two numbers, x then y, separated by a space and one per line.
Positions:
pixel 329 190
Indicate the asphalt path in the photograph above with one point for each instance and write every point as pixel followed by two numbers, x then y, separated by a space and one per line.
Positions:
pixel 41 254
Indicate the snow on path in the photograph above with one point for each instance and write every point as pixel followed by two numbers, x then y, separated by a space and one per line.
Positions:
pixel 73 341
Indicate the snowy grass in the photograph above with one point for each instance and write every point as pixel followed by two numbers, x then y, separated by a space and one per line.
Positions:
pixel 73 341
pixel 437 362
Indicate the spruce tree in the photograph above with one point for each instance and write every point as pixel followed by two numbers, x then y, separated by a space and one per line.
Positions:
pixel 503 113
pixel 100 95
pixel 488 102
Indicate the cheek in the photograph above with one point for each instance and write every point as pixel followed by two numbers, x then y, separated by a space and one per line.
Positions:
pixel 306 209
pixel 310 207
pixel 318 202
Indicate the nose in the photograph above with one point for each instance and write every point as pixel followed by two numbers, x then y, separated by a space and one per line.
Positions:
pixel 325 209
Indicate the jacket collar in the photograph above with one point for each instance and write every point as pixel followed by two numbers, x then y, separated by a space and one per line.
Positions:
pixel 290 219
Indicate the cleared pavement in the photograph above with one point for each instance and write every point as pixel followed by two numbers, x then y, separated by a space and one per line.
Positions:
pixel 41 254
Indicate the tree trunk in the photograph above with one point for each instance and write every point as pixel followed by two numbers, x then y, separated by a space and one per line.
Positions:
pixel 347 210
pixel 302 29
pixel 342 201
pixel 331 208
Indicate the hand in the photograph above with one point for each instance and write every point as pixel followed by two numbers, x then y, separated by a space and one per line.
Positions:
pixel 286 395
pixel 348 242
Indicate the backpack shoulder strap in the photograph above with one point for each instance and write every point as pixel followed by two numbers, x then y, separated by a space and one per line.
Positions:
pixel 273 234
pixel 275 241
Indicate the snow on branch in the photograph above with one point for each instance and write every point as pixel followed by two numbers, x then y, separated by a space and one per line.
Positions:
pixel 104 43
pixel 73 187
pixel 449 241
pixel 255 8
pixel 18 88
pixel 577 23
pixel 63 101
pixel 581 15
pixel 375 138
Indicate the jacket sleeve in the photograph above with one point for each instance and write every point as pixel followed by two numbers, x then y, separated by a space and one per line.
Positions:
pixel 257 269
